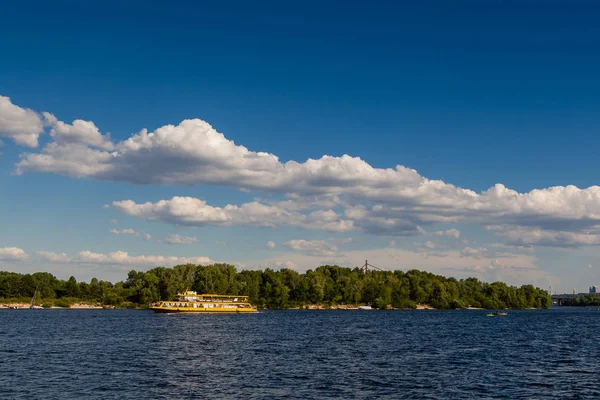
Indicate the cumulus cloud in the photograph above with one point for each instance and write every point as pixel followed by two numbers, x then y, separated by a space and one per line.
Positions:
pixel 175 238
pixel 387 201
pixel 190 211
pixel 485 252
pixel 270 245
pixel 80 131
pixel 313 247
pixel 120 258
pixel 451 233
pixel 282 264
pixel 474 252
pixel 53 257
pixel 527 236
pixel 12 254
pixel 22 125
pixel 147 236
pixel 429 244
pixel 124 232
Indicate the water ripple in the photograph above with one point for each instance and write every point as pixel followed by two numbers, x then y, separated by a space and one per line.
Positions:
pixel 126 354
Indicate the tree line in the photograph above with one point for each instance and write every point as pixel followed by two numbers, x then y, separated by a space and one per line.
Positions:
pixel 587 300
pixel 328 285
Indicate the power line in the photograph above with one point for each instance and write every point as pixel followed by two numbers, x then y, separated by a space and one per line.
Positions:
pixel 366 266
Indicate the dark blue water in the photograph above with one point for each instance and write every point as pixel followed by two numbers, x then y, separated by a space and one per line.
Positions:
pixel 127 354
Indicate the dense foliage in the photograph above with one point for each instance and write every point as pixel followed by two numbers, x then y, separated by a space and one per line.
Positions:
pixel 328 285
pixel 588 300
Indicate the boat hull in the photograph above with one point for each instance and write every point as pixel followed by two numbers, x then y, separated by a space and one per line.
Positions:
pixel 200 310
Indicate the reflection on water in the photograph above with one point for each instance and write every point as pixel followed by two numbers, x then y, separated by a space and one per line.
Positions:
pixel 127 354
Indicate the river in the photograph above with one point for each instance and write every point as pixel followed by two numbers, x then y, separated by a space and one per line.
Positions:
pixel 300 354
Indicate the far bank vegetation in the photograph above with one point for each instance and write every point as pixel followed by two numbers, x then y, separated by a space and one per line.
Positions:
pixel 326 286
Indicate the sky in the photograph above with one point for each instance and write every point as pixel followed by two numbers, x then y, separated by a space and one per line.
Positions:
pixel 455 137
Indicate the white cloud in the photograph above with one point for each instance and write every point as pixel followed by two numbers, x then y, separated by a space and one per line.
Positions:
pixel 451 233
pixel 191 211
pixel 12 254
pixel 147 236
pixel 130 232
pixel 474 252
pixel 121 258
pixel 53 257
pixel 388 201
pixel 22 125
pixel 429 244
pixel 175 238
pixel 113 221
pixel 527 236
pixel 79 132
pixel 342 241
pixel 313 247
pixel 287 264
pixel 391 243
pixel 270 245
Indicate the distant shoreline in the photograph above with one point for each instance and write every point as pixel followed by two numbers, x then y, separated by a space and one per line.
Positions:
pixel 80 306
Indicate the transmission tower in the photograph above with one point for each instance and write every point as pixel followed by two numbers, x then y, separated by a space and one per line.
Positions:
pixel 366 266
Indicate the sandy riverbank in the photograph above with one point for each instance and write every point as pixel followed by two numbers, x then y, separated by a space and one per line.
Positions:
pixel 355 307
pixel 73 306
pixel 424 307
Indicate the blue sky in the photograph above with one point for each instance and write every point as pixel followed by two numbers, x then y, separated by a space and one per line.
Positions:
pixel 472 94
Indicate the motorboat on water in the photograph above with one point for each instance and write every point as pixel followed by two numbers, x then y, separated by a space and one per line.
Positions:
pixel 191 302
pixel 497 314
pixel 367 307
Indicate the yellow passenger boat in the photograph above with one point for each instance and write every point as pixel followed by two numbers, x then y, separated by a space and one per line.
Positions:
pixel 191 302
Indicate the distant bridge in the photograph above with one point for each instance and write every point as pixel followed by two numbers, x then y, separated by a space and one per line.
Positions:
pixel 560 299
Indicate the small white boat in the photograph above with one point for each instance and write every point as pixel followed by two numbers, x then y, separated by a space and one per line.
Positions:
pixel 365 307
pixel 33 306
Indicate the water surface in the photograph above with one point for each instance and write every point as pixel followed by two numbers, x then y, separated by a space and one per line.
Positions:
pixel 129 354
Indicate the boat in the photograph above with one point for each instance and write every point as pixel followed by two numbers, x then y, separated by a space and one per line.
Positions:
pixel 33 306
pixel 497 314
pixel 191 302
pixel 365 307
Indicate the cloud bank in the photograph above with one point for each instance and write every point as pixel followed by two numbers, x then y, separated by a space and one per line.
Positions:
pixel 22 125
pixel 120 258
pixel 12 254
pixel 330 193
pixel 130 232
pixel 179 239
